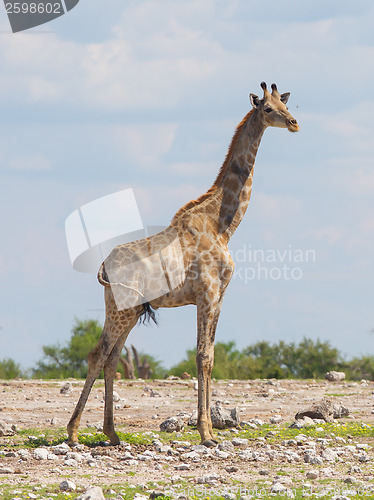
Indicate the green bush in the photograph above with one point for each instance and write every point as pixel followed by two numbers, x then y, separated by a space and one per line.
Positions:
pixel 9 369
pixel 308 359
pixel 70 361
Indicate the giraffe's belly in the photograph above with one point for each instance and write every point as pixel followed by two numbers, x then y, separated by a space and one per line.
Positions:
pixel 179 296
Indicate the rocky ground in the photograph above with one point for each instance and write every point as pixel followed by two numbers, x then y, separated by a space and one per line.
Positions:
pixel 262 458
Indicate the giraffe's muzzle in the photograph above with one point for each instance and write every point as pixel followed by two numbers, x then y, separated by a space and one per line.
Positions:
pixel 292 125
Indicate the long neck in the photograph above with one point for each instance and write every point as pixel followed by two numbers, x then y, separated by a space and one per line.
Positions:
pixel 234 182
pixel 225 203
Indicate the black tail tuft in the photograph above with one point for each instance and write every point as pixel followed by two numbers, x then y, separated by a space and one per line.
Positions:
pixel 147 314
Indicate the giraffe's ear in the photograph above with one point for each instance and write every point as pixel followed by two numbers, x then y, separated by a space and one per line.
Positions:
pixel 255 101
pixel 284 97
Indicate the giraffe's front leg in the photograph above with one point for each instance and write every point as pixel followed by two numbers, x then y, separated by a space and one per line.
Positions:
pixel 203 418
pixel 213 436
pixel 207 324
pixel 204 362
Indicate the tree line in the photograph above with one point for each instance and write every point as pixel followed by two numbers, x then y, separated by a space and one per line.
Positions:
pixel 304 360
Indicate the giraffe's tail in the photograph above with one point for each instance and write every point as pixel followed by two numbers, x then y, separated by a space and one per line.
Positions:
pixel 147 314
pixel 102 276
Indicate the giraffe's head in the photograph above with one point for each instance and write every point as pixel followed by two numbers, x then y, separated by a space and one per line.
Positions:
pixel 273 110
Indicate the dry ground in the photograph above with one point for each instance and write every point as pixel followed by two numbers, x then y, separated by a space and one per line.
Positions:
pixel 145 404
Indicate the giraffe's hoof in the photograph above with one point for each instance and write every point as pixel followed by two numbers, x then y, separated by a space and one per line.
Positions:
pixel 209 443
pixel 73 444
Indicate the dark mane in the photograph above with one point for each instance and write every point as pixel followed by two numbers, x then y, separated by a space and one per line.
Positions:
pixel 221 173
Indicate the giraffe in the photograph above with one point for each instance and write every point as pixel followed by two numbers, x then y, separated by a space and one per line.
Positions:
pixel 199 272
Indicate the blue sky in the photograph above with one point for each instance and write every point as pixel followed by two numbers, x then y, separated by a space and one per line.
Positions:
pixel 147 95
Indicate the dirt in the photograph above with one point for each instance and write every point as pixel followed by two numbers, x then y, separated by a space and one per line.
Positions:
pixel 144 405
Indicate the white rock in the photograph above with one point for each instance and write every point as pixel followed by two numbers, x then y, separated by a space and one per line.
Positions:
pixel 92 493
pixel 329 455
pixel 278 488
pixel 24 454
pixel 7 429
pixel 313 459
pixel 61 449
pixel 312 474
pixel 132 462
pixel 340 439
pixel 116 397
pixel 246 455
pixel 67 485
pixel 222 454
pixel 203 450
pixel 149 453
pixel 182 467
pixel 334 376
pixel 327 471
pixel 354 469
pixel 276 419
pixel 40 454
pixel 70 462
pixel 362 446
pixel 240 442
pixel 6 470
pixel 301 438
pixel 208 479
pixel 292 456
pixel 227 446
pixel 191 455
pixel 138 496
pixel 66 389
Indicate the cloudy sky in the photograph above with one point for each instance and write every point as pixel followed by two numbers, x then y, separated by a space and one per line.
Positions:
pixel 146 94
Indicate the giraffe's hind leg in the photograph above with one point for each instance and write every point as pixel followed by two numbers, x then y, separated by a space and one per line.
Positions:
pixel 110 369
pixel 96 360
pixel 117 325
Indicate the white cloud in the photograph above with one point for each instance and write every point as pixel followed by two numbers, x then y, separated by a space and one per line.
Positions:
pixel 190 168
pixel 274 209
pixel 27 163
pixel 145 144
pixel 176 75
pixel 165 53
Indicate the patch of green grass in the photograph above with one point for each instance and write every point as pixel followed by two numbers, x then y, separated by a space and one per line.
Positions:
pixel 7 492
pixel 33 438
pixel 345 429
pixel 339 394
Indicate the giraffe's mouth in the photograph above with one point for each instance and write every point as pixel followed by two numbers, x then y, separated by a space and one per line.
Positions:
pixel 293 126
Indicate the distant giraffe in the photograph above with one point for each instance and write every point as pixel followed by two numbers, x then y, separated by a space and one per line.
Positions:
pixel 202 229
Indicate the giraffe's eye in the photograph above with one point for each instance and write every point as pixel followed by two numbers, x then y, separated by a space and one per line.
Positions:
pixel 268 110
